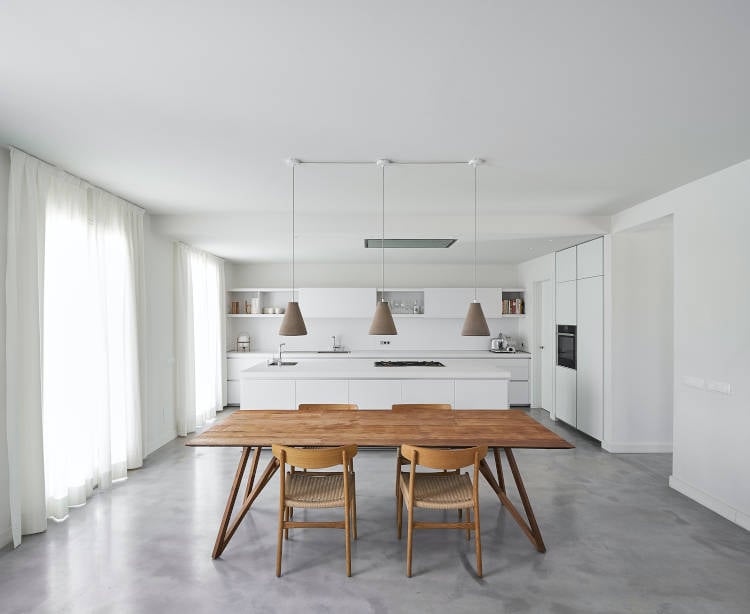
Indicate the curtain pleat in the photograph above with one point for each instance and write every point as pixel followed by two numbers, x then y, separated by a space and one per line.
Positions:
pixel 74 408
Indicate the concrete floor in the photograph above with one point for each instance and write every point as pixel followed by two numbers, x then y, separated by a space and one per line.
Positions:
pixel 619 540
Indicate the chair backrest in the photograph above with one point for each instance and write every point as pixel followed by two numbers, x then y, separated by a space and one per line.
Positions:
pixel 436 458
pixel 314 458
pixel 411 406
pixel 325 406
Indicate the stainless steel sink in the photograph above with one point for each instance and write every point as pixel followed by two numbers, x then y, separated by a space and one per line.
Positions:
pixel 333 352
pixel 276 363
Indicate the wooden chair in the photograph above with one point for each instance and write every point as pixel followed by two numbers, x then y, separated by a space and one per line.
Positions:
pixel 399 407
pixel 325 406
pixel 407 407
pixel 440 491
pixel 317 490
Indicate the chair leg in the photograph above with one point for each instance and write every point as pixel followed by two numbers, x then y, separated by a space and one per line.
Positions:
pixel 286 519
pixel 291 513
pixel 410 532
pixel 459 513
pixel 399 511
pixel 468 530
pixel 347 530
pixel 477 541
pixel 280 540
pixel 354 512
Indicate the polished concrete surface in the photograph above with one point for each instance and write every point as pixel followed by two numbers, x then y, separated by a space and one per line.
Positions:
pixel 619 540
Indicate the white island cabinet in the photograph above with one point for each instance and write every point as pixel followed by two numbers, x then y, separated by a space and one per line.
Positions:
pixel 465 384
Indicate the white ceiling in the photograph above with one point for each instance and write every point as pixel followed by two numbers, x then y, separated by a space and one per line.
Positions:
pixel 581 108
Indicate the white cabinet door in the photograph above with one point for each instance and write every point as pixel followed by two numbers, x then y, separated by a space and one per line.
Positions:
pixel 427 391
pixel 322 391
pixel 565 394
pixel 337 302
pixel 590 356
pixel 267 394
pixel 566 302
pixel 517 367
pixel 481 394
pixel 374 393
pixel 590 257
pixel 565 264
pixel 447 302
pixel 518 393
pixel 233 392
pixel 492 302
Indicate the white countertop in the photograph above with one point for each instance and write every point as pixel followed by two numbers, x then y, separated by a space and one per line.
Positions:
pixel 360 368
pixel 387 354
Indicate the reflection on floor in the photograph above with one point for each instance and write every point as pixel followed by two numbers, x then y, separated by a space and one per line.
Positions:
pixel 618 539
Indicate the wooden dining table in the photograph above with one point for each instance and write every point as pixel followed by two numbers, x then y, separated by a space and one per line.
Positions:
pixel 498 429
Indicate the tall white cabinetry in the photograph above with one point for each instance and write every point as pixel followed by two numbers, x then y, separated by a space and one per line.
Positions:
pixel 579 393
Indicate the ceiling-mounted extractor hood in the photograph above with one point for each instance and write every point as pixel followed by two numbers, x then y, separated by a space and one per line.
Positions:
pixel 409 243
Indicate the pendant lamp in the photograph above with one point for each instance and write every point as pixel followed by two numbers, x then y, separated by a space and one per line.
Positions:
pixel 292 325
pixel 382 321
pixel 475 324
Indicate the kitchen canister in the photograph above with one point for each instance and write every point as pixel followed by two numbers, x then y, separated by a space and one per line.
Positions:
pixel 255 305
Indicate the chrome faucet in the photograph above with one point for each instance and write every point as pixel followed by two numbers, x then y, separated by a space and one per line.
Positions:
pixel 335 347
pixel 281 349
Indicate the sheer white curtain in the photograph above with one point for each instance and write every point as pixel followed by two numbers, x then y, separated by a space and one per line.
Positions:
pixel 74 411
pixel 92 409
pixel 199 336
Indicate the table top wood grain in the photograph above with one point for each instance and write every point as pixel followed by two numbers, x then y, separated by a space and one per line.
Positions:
pixel 498 428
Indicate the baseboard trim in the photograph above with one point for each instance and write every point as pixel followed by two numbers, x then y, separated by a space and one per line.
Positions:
pixel 648 447
pixel 715 505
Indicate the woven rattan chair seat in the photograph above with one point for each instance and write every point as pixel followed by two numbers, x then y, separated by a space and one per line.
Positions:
pixel 441 491
pixel 315 490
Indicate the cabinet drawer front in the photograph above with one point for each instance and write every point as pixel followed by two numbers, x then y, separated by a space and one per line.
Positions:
pixel 267 394
pixel 233 393
pixel 566 302
pixel 427 391
pixel 374 394
pixel 518 393
pixel 518 372
pixel 481 394
pixel 322 391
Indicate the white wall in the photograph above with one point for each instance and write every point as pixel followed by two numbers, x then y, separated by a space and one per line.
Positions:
pixel 364 275
pixel 4 488
pixel 159 416
pixel 413 334
pixel 641 417
pixel 711 335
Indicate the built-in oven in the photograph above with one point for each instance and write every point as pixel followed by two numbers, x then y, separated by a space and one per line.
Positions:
pixel 566 346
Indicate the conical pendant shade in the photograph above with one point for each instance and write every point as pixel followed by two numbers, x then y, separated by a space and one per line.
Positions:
pixel 382 321
pixel 475 324
pixel 293 325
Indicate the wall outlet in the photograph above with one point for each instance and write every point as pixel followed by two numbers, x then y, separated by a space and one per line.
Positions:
pixel 722 387
pixel 694 382
pixel 384 342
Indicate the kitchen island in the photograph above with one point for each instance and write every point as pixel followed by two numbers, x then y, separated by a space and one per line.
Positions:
pixel 464 383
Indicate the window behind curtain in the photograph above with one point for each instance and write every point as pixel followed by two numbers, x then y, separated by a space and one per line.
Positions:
pixel 91 407
pixel 199 336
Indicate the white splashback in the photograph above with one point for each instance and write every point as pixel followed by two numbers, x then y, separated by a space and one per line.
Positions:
pixel 413 334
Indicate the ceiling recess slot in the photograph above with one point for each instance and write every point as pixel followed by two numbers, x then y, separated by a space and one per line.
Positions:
pixel 410 243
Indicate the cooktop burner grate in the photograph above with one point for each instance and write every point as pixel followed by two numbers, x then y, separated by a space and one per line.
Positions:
pixel 408 363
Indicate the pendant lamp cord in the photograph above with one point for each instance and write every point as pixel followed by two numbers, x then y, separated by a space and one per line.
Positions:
pixel 382 233
pixel 475 233
pixel 292 299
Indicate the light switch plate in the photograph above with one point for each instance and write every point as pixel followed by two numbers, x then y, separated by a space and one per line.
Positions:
pixel 722 387
pixel 694 382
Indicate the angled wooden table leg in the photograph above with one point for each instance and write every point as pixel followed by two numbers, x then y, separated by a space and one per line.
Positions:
pixel 532 532
pixel 220 543
pixel 227 530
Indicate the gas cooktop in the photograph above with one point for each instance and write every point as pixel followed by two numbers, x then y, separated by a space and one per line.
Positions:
pixel 408 363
